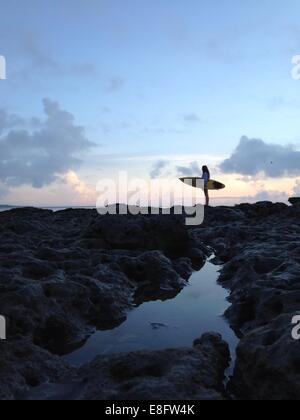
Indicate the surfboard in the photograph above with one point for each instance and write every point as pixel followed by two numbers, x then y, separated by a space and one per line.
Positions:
pixel 195 182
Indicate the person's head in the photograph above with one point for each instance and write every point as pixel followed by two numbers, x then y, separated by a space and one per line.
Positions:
pixel 205 169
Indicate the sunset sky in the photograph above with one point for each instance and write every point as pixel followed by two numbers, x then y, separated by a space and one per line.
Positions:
pixel 156 88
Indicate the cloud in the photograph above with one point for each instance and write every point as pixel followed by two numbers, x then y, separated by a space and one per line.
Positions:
pixel 253 157
pixel 296 190
pixel 31 47
pixel 192 170
pixel 105 110
pixel 161 131
pixel 192 118
pixel 157 169
pixel 114 85
pixel 40 62
pixel 277 103
pixel 38 157
pixel 83 193
pixel 3 190
pixel 83 69
pixel 9 120
pixel 274 196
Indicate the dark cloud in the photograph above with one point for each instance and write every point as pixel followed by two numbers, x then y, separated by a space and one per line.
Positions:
pixel 192 170
pixel 114 85
pixel 157 169
pixel 83 69
pixel 38 157
pixel 254 156
pixel 31 47
pixel 191 118
pixel 105 110
pixel 161 131
pixel 40 62
pixel 4 190
pixel 8 121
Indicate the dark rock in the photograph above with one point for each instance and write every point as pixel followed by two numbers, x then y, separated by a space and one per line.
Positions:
pixel 214 341
pixel 262 209
pixel 182 374
pixel 262 261
pixel 58 335
pixel 184 267
pixel 270 358
pixel 295 201
pixel 63 274
pixel 37 270
pixel 165 233
pixel 152 268
pixel 24 365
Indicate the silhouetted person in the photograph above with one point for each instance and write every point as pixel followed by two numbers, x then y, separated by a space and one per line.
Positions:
pixel 206 178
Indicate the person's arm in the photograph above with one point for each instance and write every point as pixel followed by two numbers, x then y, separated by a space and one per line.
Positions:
pixel 206 178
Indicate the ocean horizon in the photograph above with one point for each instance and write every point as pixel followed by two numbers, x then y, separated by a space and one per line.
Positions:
pixel 215 202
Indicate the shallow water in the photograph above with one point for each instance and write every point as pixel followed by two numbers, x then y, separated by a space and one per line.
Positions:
pixel 198 309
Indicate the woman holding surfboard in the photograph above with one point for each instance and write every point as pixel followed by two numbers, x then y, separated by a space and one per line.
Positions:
pixel 209 184
pixel 206 178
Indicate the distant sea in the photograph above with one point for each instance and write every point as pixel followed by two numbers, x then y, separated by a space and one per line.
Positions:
pixel 7 208
pixel 215 201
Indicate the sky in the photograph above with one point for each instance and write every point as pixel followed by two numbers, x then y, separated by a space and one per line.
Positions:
pixel 154 88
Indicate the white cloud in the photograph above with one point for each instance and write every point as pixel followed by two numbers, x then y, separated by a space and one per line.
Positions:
pixel 297 188
pixel 82 193
pixel 38 157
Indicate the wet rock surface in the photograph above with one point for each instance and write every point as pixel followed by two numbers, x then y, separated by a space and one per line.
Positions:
pixel 182 374
pixel 65 274
pixel 260 246
pixel 25 366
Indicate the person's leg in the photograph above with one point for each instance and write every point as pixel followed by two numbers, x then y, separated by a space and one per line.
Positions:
pixel 206 197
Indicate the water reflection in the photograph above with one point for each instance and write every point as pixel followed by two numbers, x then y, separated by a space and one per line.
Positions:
pixel 171 323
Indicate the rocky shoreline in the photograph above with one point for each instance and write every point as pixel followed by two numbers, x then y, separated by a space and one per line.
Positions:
pixel 259 246
pixel 65 274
